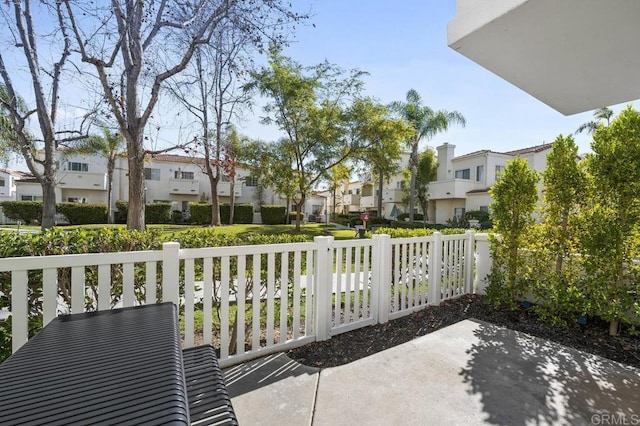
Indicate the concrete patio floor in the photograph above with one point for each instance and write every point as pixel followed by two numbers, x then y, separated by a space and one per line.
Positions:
pixel 467 374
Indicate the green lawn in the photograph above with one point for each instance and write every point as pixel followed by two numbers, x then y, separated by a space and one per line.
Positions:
pixel 313 230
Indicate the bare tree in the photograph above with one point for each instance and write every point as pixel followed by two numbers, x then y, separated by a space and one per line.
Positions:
pixel 45 81
pixel 210 90
pixel 135 46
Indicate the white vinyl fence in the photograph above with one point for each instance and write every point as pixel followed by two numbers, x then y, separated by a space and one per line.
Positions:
pixel 249 301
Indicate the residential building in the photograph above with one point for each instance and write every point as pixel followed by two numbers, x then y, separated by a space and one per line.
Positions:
pixel 573 55
pixel 462 183
pixel 169 178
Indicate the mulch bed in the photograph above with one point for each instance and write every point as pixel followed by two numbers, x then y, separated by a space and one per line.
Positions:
pixel 344 348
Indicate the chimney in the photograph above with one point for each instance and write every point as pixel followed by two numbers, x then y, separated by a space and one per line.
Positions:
pixel 445 155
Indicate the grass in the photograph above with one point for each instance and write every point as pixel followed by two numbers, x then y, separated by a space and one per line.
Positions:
pixel 312 230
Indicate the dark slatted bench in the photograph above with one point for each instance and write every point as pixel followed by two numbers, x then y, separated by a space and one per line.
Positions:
pixel 122 366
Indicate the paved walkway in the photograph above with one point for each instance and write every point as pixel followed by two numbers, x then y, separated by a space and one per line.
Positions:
pixel 467 374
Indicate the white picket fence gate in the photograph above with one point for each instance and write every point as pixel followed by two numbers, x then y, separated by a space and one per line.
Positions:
pixel 250 301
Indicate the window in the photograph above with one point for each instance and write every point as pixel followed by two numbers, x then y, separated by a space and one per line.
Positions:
pixel 179 174
pixel 399 184
pixel 224 178
pixel 358 191
pixel 458 212
pixel 251 180
pixel 484 209
pixel 479 173
pixel 31 198
pixel 499 169
pixel 350 192
pixel 1 181
pixel 74 166
pixel 77 200
pixel 463 174
pixel 151 174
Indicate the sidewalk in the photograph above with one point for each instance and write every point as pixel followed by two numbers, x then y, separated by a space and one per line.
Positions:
pixel 468 373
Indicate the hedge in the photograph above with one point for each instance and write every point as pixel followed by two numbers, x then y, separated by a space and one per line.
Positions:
pixel 201 213
pixel 157 213
pixel 120 215
pixel 83 214
pixel 153 213
pixel 273 215
pixel 242 213
pixel 25 211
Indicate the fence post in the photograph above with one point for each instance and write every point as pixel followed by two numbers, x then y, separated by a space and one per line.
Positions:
pixel 170 272
pixel 19 309
pixel 381 279
pixel 469 262
pixel 435 269
pixel 323 286
pixel 484 263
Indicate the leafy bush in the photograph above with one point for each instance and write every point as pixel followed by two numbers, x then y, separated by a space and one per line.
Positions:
pixel 157 213
pixel 200 213
pixel 293 215
pixel 177 216
pixel 417 232
pixel 83 214
pixel 25 211
pixel 273 215
pixel 477 215
pixel 404 216
pixel 242 213
pixel 120 215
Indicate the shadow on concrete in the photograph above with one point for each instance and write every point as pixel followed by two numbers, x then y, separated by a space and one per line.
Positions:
pixel 526 380
pixel 253 375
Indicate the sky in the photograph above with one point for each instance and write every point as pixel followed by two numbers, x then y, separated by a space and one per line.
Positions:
pixel 403 45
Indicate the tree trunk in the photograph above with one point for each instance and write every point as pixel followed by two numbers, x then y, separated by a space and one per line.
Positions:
pixel 48 203
pixel 380 189
pixel 299 205
pixel 232 195
pixel 137 190
pixel 110 167
pixel 215 199
pixel 414 171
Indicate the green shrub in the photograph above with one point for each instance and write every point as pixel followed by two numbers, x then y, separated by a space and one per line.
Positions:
pixel 242 213
pixel 122 208
pixel 157 213
pixel 177 216
pixel 404 216
pixel 477 215
pixel 417 232
pixel 273 215
pixel 25 211
pixel 200 213
pixel 83 214
pixel 293 215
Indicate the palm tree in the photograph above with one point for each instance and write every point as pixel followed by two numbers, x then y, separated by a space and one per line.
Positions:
pixel 110 146
pixel 425 123
pixel 600 114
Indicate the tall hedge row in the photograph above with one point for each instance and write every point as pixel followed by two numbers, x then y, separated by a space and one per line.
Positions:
pixel 83 214
pixel 273 215
pixel 201 213
pixel 25 211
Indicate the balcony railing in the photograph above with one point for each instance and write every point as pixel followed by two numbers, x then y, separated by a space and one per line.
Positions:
pixel 368 201
pixel 392 195
pixel 184 186
pixel 352 199
pixel 82 180
pixel 224 189
pixel 453 188
pixel 253 300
